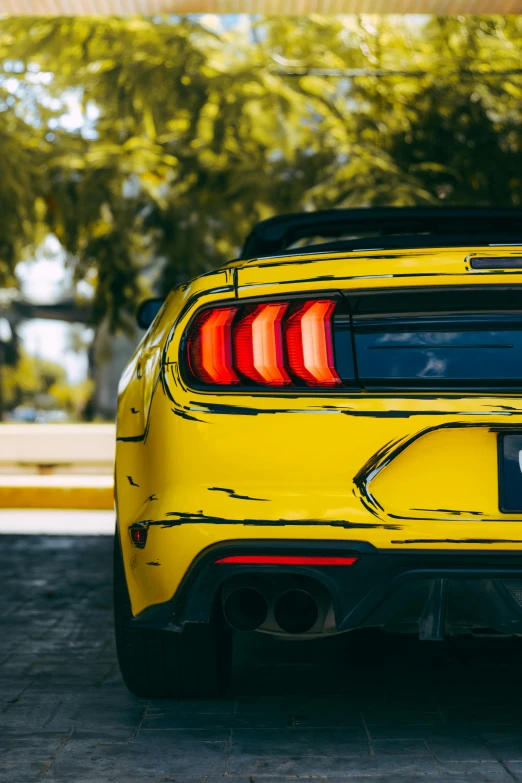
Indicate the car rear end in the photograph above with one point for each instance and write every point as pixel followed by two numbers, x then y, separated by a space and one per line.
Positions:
pixel 329 440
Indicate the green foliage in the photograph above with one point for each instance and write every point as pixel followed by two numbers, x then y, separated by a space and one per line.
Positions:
pixel 72 398
pixel 194 135
pixel 43 384
pixel 18 187
pixel 30 378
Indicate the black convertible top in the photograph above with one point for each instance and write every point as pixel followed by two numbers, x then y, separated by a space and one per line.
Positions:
pixel 384 228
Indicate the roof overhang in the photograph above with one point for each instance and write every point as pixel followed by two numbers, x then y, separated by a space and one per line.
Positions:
pixel 268 7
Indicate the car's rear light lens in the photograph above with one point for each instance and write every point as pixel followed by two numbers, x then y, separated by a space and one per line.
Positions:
pixel 210 347
pixel 309 344
pixel 138 534
pixel 271 344
pixel 258 345
pixel 297 560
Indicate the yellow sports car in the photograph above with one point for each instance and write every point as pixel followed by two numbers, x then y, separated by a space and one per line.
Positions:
pixel 324 435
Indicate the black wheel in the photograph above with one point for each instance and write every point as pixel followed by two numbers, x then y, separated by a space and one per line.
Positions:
pixel 163 664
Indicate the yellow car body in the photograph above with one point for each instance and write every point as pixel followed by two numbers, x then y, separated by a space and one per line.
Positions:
pixel 397 471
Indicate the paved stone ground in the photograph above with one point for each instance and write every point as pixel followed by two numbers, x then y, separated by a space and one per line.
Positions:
pixel 361 707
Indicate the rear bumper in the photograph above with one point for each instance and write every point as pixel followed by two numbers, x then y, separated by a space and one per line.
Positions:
pixel 431 593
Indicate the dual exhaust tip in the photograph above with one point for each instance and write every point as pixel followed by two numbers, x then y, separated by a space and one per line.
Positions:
pixel 247 608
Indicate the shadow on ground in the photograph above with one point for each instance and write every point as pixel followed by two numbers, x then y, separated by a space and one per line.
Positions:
pixel 362 707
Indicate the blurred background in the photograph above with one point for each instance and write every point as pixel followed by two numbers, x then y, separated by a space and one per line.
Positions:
pixel 138 152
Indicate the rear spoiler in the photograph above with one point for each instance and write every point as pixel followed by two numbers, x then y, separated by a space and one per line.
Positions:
pixel 408 226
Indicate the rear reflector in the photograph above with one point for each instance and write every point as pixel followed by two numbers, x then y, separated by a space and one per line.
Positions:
pixel 312 560
pixel 270 344
pixel 138 534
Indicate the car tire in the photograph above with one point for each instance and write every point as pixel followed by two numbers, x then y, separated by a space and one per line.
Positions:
pixel 164 664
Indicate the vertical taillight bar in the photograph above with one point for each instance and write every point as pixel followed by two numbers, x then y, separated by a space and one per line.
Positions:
pixel 258 345
pixel 309 343
pixel 210 347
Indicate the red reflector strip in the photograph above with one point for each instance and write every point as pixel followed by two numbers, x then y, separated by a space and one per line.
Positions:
pixel 316 560
pixel 210 348
pixel 310 345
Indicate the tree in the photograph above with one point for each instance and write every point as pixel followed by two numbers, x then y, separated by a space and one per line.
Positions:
pixel 31 377
pixel 189 134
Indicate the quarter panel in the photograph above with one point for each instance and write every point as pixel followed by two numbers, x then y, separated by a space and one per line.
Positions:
pixel 142 375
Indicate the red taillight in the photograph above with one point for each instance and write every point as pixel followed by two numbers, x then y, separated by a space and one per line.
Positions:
pixel 309 343
pixel 313 560
pixel 270 344
pixel 210 348
pixel 258 345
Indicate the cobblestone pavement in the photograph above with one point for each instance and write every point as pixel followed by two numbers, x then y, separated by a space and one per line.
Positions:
pixel 361 707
